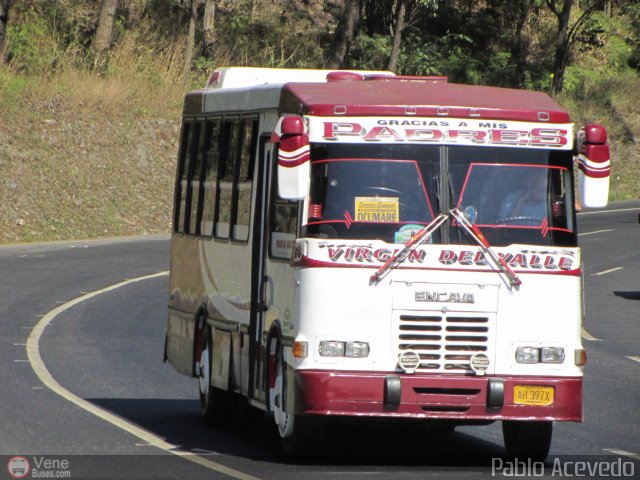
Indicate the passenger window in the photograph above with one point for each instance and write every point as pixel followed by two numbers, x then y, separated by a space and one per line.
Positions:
pixel 230 135
pixel 181 190
pixel 194 199
pixel 210 175
pixel 244 183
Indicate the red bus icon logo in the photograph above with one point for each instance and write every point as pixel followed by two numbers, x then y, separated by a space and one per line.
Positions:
pixel 18 467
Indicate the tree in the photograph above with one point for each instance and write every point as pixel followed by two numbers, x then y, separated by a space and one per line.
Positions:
pixel 104 30
pixel 4 17
pixel 562 43
pixel 345 33
pixel 566 35
pixel 397 35
pixel 209 31
pixel 519 47
pixel 191 35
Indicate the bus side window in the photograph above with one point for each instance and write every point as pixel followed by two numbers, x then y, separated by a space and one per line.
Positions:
pixel 242 191
pixel 194 197
pixel 226 174
pixel 181 189
pixel 210 175
pixel 283 227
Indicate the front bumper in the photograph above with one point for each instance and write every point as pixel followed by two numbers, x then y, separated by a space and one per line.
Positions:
pixel 379 394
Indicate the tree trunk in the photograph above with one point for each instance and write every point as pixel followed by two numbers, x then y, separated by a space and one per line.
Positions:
pixel 191 36
pixel 104 30
pixel 562 43
pixel 345 32
pixel 209 29
pixel 4 17
pixel 519 48
pixel 397 35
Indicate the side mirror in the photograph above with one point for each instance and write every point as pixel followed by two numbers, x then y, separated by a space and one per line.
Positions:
pixel 594 166
pixel 293 158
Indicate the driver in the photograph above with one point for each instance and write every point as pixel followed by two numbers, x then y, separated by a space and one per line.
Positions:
pixel 529 201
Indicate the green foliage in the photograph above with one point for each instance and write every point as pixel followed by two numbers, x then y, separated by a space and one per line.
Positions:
pixel 31 45
pixel 13 89
pixel 633 16
pixel 370 52
pixel 470 42
pixel 278 37
pixel 610 40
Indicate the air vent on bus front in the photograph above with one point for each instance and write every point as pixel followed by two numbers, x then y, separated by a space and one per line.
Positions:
pixel 444 343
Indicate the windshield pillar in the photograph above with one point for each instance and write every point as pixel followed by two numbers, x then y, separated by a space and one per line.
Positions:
pixel 444 194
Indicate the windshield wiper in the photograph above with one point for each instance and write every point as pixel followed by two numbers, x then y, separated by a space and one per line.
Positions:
pixel 476 234
pixel 411 244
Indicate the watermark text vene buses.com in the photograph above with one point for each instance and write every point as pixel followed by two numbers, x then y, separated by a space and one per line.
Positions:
pixel 38 467
pixel 595 468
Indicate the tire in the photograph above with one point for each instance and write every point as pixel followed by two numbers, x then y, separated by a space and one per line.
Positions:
pixel 527 439
pixel 218 407
pixel 299 434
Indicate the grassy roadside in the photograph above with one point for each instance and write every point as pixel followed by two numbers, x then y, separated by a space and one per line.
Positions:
pixel 613 101
pixel 84 155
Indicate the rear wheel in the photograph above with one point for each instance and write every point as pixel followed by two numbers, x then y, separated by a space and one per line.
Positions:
pixel 527 439
pixel 300 435
pixel 218 407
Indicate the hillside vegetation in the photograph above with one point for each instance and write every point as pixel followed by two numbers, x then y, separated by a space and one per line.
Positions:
pixel 88 140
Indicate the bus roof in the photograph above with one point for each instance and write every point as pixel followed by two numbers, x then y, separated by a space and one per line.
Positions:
pixel 239 77
pixel 398 96
pixel 366 93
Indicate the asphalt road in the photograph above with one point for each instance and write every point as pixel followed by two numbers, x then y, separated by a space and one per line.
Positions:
pixel 103 402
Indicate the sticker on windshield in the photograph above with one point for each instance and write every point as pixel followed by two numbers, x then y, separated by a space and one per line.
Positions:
pixel 377 209
pixel 407 232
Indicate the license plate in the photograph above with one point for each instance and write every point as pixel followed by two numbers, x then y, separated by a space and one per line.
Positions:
pixel 533 395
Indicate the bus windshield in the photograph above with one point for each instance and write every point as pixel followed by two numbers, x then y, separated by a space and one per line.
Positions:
pixel 389 192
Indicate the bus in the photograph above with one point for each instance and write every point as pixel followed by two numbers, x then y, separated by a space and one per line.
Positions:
pixel 364 244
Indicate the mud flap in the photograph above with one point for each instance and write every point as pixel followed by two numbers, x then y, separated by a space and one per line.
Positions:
pixel 221 359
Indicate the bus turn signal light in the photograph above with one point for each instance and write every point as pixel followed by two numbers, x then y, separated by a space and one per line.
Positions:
pixel 300 349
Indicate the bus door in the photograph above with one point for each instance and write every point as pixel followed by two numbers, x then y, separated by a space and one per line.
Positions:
pixel 259 279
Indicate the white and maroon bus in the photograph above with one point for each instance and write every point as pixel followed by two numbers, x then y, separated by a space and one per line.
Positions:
pixel 361 244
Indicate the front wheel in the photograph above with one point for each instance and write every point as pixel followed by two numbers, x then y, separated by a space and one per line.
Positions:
pixel 299 434
pixel 527 439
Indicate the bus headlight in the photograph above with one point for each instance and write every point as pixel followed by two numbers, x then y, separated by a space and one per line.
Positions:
pixel 527 355
pixel 540 355
pixel 356 349
pixel 552 355
pixel 333 348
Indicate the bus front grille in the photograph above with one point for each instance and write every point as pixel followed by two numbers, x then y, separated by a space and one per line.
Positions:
pixel 445 343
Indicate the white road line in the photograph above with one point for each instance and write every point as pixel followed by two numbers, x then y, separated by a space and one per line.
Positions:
pixel 33 351
pixel 596 231
pixel 611 211
pixel 624 453
pixel 611 270
pixel 635 359
pixel 587 336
